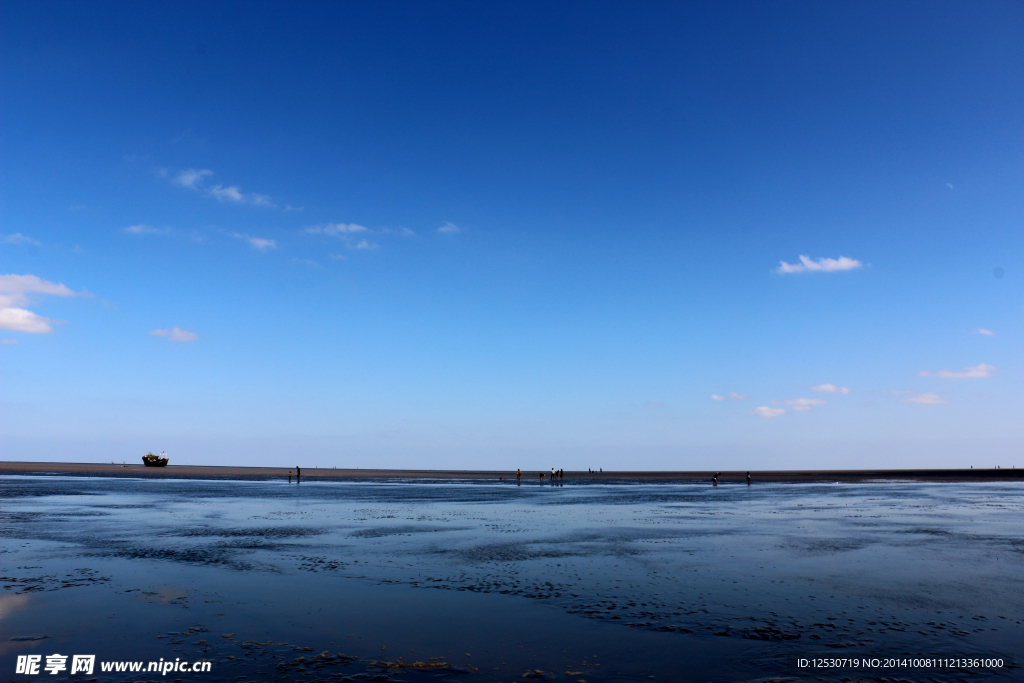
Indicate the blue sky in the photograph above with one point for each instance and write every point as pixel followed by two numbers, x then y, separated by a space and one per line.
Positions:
pixel 530 235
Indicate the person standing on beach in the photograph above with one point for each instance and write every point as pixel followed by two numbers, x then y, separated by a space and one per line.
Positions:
pixel 298 474
pixel 748 478
pixel 519 475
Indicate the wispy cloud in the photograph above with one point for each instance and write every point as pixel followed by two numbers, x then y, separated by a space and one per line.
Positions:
pixel 830 389
pixel 234 194
pixel 15 293
pixel 20 285
pixel 258 243
pixel 18 238
pixel 142 229
pixel 987 333
pixel 765 411
pixel 449 229
pixel 262 244
pixel 977 372
pixel 227 194
pixel 195 179
pixel 336 229
pixel 802 404
pixel 355 236
pixel 176 334
pixel 734 396
pixel 827 265
pixel 8 341
pixel 192 178
pixel 926 399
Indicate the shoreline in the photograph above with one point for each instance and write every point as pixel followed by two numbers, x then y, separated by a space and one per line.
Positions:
pixel 529 476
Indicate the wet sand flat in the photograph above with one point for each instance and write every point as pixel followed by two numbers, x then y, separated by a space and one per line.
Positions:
pixel 445 580
pixel 765 476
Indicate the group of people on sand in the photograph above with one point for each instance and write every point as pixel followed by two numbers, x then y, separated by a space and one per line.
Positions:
pixel 555 475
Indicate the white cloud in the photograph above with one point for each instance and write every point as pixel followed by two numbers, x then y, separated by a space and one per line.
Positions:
pixel 226 194
pixel 449 229
pixel 830 389
pixel 987 333
pixel 734 396
pixel 927 399
pixel 949 185
pixel 348 233
pixel 31 284
pixel 8 341
pixel 142 229
pixel 15 291
pixel 827 265
pixel 18 238
pixel 262 244
pixel 976 372
pixel 192 178
pixel 765 411
pixel 802 404
pixel 21 320
pixel 258 243
pixel 337 229
pixel 176 334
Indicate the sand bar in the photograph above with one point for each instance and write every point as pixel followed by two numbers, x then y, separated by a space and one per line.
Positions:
pixel 761 476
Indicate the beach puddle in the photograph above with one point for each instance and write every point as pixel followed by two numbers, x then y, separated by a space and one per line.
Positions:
pixel 456 581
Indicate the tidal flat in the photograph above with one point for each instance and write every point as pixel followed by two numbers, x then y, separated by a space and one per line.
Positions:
pixel 393 580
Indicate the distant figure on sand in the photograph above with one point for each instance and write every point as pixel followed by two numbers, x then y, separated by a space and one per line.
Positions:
pixel 748 478
pixel 298 474
pixel 289 476
pixel 519 475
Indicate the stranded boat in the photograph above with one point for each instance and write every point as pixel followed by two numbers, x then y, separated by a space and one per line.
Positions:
pixel 150 460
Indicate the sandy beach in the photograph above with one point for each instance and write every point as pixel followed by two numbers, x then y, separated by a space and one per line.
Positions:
pixel 172 471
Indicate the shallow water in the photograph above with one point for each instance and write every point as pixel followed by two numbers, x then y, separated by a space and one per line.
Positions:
pixel 493 582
